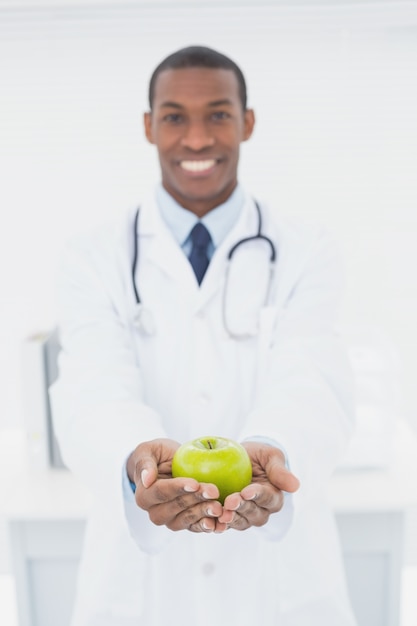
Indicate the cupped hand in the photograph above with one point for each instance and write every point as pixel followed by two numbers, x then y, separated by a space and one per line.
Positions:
pixel 177 503
pixel 265 495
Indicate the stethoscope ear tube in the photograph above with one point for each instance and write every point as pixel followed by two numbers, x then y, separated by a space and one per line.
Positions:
pixel 135 255
pixel 143 318
pixel 259 237
pixel 256 237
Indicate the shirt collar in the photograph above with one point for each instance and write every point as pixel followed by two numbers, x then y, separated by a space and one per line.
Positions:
pixel 219 221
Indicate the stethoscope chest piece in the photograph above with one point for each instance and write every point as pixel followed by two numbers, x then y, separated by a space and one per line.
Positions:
pixel 144 321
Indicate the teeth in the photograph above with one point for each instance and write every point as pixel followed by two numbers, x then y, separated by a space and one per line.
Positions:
pixel 197 166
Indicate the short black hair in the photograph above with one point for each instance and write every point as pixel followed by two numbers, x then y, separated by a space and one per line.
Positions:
pixel 198 56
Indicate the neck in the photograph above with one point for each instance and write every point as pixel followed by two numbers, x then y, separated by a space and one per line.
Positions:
pixel 201 206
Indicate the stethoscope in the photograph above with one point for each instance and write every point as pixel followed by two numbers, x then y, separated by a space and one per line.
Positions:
pixel 143 318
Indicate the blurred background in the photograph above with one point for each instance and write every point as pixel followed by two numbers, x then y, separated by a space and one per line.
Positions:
pixel 334 88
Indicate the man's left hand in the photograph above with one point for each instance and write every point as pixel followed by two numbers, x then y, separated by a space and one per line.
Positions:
pixel 255 503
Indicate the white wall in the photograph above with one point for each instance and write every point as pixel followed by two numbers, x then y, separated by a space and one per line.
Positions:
pixel 335 91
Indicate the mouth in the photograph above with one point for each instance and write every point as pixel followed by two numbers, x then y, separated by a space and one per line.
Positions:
pixel 198 166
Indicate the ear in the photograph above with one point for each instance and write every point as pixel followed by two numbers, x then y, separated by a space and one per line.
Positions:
pixel 249 124
pixel 147 122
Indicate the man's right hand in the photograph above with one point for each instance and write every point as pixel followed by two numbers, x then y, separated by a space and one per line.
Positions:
pixel 177 503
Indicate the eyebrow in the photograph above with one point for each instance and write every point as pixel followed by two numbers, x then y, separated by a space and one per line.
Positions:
pixel 218 103
pixel 171 105
pixel 215 103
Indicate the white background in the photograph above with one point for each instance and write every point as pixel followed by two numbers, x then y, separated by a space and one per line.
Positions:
pixel 334 87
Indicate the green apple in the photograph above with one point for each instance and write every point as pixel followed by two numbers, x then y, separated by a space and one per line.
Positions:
pixel 216 460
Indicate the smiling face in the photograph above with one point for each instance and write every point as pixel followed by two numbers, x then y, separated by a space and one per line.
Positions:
pixel 197 124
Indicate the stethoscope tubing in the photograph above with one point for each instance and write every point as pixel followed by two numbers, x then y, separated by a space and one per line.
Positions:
pixel 135 255
pixel 256 237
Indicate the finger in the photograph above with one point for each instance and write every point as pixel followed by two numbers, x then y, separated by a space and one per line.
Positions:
pixel 147 470
pixel 251 499
pixel 248 514
pixel 241 523
pixel 165 491
pixel 205 525
pixel 271 460
pixel 235 507
pixel 263 496
pixel 189 509
pixel 209 491
pixel 153 458
pixel 233 502
pixel 227 517
pixel 198 518
pixel 167 499
pixel 220 527
pixel 169 489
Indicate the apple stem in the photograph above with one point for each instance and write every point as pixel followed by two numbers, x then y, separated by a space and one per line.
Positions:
pixel 209 444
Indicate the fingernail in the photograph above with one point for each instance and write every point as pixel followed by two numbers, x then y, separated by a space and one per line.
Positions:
pixel 205 525
pixel 210 512
pixel 143 476
pixel 189 488
pixel 206 495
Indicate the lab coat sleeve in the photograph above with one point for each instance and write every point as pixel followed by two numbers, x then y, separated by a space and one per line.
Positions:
pixel 306 394
pixel 97 402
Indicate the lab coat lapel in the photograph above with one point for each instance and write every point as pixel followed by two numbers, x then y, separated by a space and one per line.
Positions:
pixel 214 278
pixel 160 247
pixel 164 252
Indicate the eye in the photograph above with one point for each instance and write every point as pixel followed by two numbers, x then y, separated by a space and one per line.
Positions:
pixel 173 118
pixel 220 116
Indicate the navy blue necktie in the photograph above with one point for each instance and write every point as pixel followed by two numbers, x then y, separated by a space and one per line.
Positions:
pixel 198 258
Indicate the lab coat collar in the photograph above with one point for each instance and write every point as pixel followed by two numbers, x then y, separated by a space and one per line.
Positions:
pixel 164 252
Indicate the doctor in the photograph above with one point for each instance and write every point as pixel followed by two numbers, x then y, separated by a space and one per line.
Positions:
pixel 203 313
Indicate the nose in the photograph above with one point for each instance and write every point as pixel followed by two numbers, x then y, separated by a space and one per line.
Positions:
pixel 197 136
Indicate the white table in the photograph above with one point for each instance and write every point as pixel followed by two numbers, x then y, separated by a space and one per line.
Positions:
pixel 46 514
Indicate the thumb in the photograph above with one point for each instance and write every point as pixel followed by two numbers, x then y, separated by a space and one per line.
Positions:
pixel 147 470
pixel 149 458
pixel 281 477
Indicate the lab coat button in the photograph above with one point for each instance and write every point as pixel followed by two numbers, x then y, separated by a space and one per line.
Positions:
pixel 208 568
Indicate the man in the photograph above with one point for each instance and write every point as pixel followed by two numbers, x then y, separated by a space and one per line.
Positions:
pixel 190 348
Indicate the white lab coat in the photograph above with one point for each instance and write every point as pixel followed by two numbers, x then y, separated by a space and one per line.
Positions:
pixel 118 387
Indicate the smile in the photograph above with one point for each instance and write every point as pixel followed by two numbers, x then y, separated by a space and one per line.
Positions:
pixel 198 166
